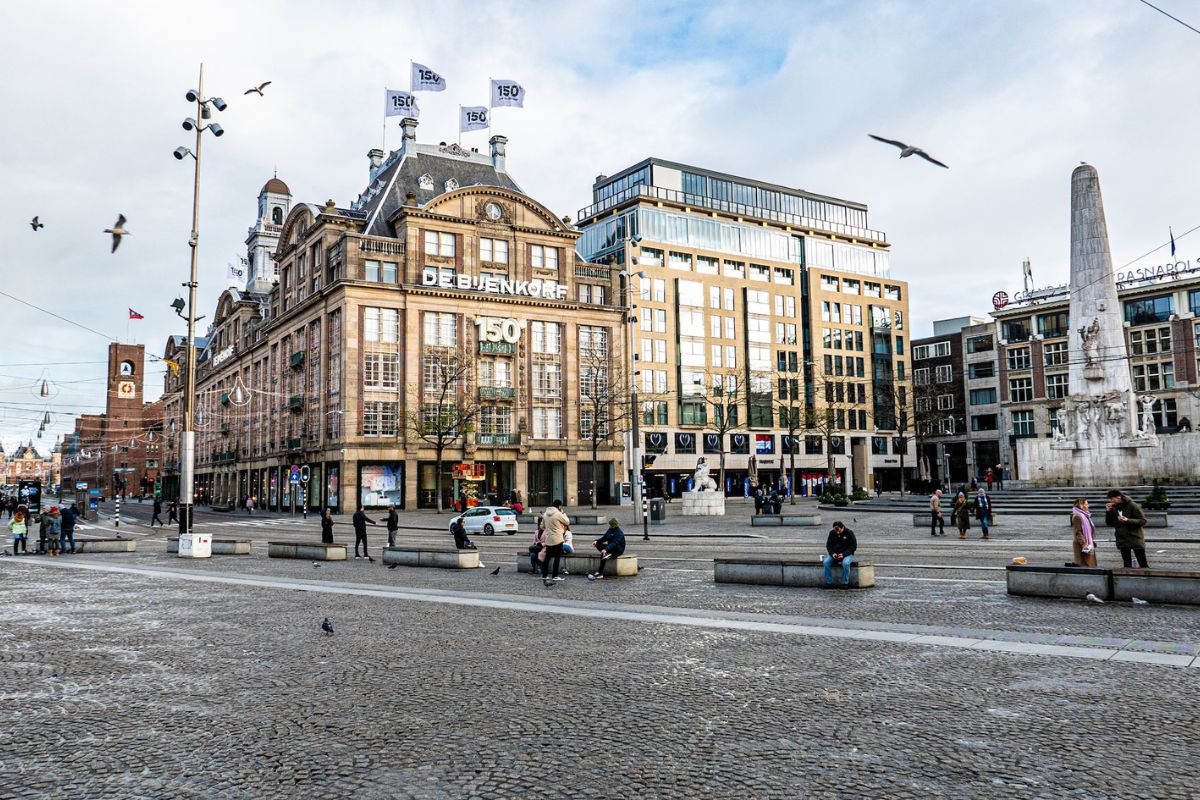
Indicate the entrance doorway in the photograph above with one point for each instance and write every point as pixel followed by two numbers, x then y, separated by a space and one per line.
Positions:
pixel 547 482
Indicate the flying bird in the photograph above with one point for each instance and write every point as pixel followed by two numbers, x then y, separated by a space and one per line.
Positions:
pixel 496 571
pixel 907 150
pixel 117 231
pixel 327 626
pixel 258 90
pixel 33 223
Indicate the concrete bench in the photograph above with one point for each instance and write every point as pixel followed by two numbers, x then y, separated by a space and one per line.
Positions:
pixel 311 551
pixel 581 563
pixel 433 557
pixel 105 545
pixel 785 520
pixel 220 547
pixel 1034 580
pixel 1156 585
pixel 576 519
pixel 780 572
pixel 922 520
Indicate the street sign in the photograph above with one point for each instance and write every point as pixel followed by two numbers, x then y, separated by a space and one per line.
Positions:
pixel 294 474
pixel 80 486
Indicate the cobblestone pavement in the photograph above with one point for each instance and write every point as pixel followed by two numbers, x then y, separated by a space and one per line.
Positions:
pixel 140 685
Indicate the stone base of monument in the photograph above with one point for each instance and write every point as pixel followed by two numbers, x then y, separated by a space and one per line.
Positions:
pixel 703 504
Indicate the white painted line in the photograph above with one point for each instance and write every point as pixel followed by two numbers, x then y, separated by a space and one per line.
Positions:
pixel 692 617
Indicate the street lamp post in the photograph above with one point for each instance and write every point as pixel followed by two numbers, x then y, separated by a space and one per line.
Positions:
pixel 188 443
pixel 636 468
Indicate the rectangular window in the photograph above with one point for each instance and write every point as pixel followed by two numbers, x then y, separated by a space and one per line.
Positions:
pixel 691 352
pixel 439 244
pixel 1150 309
pixel 680 261
pixel 650 257
pixel 1153 377
pixel 690 293
pixel 440 330
pixel 494 250
pixel 1053 324
pixel 921 376
pixel 381 370
pixel 830 283
pixel 495 420
pixel 1018 358
pixel 758 329
pixel 1023 424
pixel 546 338
pixel 727 296
pixel 871 289
pixel 784 276
pixel 891 292
pixel 944 373
pixel 1055 354
pixel 542 257
pixel 978 344
pixel 660 351
pixel 710 266
pixel 691 323
pixel 760 273
pixel 1020 390
pixel 1056 386
pixel 735 269
pixel 850 286
pixel 758 302
pixel 936 350
pixel 380 418
pixel 981 397
pixel 945 402
pixel 593 341
pixel 984 422
pixel 985 369
pixel 547 381
pixel 1150 342
pixel 547 423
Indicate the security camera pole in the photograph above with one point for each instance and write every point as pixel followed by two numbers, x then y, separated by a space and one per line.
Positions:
pixel 188 444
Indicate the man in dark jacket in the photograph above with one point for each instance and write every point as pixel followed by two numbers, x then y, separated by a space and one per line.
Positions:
pixel 840 545
pixel 459 531
pixel 1127 519
pixel 393 525
pixel 360 520
pixel 156 511
pixel 68 530
pixel 611 545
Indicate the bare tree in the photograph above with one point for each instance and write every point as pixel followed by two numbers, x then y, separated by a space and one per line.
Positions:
pixel 789 397
pixel 834 396
pixel 445 407
pixel 895 395
pixel 604 402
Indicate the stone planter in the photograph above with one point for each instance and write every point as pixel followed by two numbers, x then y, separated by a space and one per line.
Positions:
pixel 105 545
pixel 443 558
pixel 311 551
pixel 220 547
pixel 1032 580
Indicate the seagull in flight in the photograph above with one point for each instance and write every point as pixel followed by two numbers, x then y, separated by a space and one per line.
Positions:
pixel 33 223
pixel 117 231
pixel 258 90
pixel 907 150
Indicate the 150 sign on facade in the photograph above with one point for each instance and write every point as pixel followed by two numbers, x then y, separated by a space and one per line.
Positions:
pixel 498 336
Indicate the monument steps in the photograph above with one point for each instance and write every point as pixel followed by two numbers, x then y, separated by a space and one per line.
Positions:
pixel 1036 500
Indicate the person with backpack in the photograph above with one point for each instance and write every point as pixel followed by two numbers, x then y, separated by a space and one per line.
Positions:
pixel 611 546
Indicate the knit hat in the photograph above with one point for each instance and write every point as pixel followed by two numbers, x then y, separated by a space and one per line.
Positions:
pixel 614 523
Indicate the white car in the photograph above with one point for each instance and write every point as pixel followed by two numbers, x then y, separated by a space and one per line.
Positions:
pixel 489 519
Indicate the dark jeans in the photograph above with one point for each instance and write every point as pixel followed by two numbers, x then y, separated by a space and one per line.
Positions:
pixel 934 521
pixel 155 519
pixel 360 537
pixel 64 537
pixel 1140 552
pixel 553 551
pixel 534 566
pixel 20 544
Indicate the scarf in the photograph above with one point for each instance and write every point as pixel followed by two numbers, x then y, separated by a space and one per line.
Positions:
pixel 1085 521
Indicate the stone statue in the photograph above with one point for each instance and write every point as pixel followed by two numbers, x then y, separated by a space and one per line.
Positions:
pixel 1060 429
pixel 1083 413
pixel 702 482
pixel 1146 430
pixel 1091 343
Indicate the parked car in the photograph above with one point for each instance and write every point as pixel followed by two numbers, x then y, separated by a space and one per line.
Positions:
pixel 489 519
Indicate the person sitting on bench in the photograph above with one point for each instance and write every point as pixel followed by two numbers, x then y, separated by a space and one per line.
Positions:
pixel 840 545
pixel 611 545
pixel 460 535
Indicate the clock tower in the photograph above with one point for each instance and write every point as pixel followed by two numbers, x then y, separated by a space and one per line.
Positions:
pixel 125 375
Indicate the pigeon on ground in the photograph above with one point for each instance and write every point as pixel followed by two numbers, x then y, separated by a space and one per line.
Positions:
pixel 496 571
pixel 6 552
pixel 907 150
pixel 327 626
pixel 1091 598
pixel 392 566
pixel 117 231
pixel 1137 601
pixel 33 223
pixel 258 90
pixel 315 565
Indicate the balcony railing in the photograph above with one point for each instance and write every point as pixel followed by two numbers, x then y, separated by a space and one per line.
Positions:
pixel 489 439
pixel 297 359
pixel 702 201
pixel 601 273
pixel 386 247
pixel 497 393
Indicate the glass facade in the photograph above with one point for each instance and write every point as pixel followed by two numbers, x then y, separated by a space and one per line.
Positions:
pixel 746 194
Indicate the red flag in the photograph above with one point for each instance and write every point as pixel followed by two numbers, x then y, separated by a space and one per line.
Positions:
pixel 135 315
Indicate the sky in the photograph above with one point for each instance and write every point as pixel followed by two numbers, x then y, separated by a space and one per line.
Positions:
pixel 1012 94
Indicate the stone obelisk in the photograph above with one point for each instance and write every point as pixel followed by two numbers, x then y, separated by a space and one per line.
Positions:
pixel 1098 358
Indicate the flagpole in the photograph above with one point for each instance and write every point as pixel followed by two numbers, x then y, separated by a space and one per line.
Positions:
pixel 385 150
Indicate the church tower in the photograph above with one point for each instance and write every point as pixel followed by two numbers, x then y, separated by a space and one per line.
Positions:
pixel 274 203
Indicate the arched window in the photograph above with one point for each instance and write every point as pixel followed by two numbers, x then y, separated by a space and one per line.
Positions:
pixel 277 216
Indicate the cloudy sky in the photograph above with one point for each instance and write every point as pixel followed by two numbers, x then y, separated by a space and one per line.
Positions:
pixel 1012 94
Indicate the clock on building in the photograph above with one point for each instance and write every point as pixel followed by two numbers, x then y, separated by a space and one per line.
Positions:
pixel 126 389
pixel 493 211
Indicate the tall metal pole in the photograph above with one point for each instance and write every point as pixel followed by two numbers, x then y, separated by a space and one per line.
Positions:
pixel 635 467
pixel 188 444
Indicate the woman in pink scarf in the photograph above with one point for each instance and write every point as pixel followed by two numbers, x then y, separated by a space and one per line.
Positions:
pixel 1084 542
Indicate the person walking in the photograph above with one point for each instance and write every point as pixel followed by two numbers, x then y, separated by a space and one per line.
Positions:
pixel 1083 543
pixel 611 545
pixel 393 525
pixel 1128 521
pixel 840 546
pixel 1000 476
pixel 156 511
pixel 983 510
pixel 173 513
pixel 20 533
pixel 557 524
pixel 935 513
pixel 360 521
pixel 988 478
pixel 327 526
pixel 250 505
pixel 962 515
pixel 68 529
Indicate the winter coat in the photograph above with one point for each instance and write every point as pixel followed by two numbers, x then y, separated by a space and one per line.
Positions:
pixel 1129 533
pixel 983 508
pixel 962 515
pixel 843 544
pixel 556 525
pixel 17 527
pixel 613 542
pixel 1080 539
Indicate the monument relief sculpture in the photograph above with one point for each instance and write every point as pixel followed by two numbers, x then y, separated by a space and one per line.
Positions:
pixel 1091 343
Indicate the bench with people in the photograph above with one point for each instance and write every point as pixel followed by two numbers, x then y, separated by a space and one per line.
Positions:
pixel 609 560
pixel 841 547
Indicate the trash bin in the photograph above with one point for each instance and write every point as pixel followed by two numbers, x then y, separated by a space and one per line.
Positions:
pixel 658 511
pixel 195 545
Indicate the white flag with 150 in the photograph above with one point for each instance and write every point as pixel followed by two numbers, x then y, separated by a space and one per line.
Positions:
pixel 472 118
pixel 402 104
pixel 507 93
pixel 426 80
pixel 236 273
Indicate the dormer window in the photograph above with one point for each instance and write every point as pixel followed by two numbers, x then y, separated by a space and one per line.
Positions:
pixel 425 182
pixel 451 185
